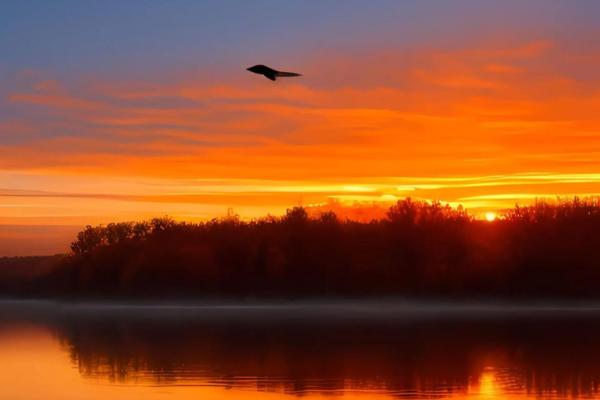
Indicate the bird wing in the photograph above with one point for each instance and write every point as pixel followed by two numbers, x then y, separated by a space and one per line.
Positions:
pixel 271 75
pixel 286 74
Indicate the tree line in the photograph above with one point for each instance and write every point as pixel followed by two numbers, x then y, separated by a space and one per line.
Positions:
pixel 419 249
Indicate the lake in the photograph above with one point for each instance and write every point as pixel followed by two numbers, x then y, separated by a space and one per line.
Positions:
pixel 309 351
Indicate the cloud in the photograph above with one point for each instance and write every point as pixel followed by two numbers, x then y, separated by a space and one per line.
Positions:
pixel 371 120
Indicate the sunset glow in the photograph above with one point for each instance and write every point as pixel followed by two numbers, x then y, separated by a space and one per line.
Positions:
pixel 268 199
pixel 470 116
pixel 490 216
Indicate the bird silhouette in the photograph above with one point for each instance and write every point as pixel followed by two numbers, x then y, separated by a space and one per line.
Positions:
pixel 270 73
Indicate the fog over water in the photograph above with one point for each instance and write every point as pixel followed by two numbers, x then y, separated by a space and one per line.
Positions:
pixel 389 309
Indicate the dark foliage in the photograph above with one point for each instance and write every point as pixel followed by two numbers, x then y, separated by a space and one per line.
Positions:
pixel 419 250
pixel 18 272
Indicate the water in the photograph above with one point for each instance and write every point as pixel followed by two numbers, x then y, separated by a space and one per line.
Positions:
pixel 350 351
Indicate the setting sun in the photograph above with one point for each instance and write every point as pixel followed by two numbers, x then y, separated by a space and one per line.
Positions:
pixel 274 200
pixel 482 120
pixel 490 216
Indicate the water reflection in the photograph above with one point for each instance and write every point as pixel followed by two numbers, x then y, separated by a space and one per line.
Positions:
pixel 554 355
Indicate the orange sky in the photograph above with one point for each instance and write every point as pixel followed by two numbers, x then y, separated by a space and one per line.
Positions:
pixel 129 112
pixel 485 126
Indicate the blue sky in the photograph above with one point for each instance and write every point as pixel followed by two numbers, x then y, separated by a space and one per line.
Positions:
pixel 145 37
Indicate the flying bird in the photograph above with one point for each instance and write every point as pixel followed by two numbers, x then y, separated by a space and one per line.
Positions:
pixel 270 73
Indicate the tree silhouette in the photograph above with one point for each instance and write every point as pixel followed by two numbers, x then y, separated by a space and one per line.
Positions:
pixel 418 249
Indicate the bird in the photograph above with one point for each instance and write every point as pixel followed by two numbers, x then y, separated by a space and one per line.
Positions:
pixel 270 73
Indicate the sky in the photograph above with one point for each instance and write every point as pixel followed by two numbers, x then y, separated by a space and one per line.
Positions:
pixel 113 111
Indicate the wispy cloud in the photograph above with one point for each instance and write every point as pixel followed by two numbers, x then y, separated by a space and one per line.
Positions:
pixel 467 125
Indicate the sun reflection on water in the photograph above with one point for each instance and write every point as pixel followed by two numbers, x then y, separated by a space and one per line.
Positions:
pixel 133 356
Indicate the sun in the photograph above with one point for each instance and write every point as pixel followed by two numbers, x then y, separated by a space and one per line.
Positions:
pixel 490 216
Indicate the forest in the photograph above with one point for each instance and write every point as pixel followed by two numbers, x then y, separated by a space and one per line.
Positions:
pixel 419 250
